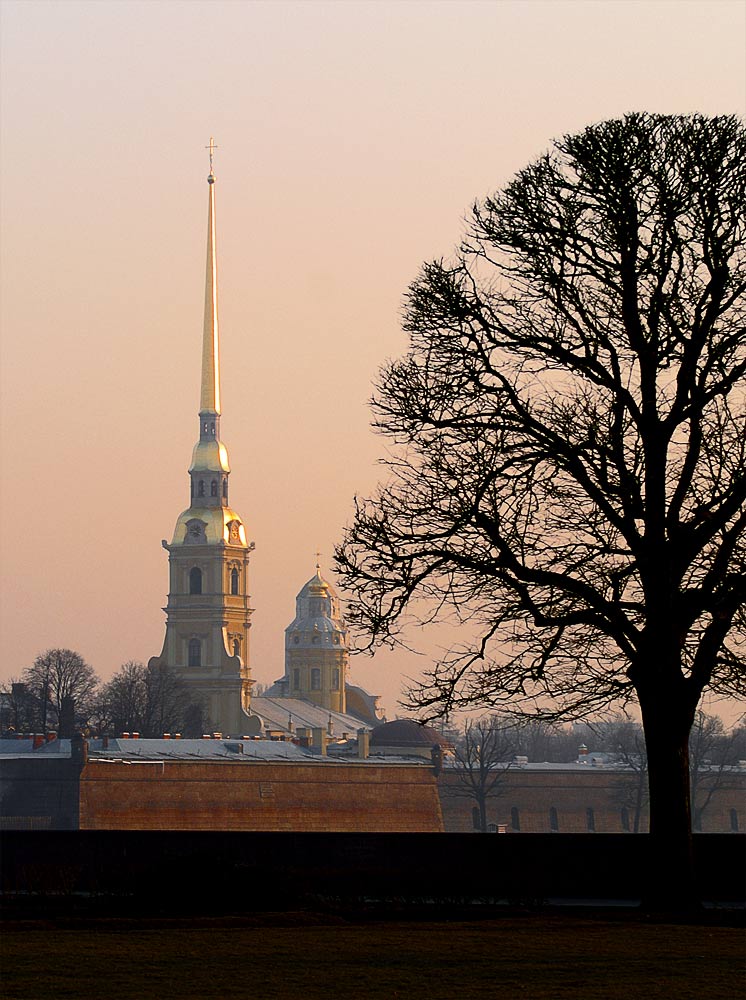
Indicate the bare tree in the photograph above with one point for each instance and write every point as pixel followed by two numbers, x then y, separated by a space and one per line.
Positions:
pixel 57 675
pixel 123 702
pixel 21 709
pixel 568 462
pixel 483 755
pixel 149 700
pixel 714 754
pixel 625 741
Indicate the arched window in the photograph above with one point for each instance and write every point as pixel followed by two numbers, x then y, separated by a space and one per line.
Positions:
pixel 214 488
pixel 234 581
pixel 625 819
pixel 553 820
pixel 296 680
pixel 590 820
pixel 315 679
pixel 335 679
pixel 212 428
pixel 201 490
pixel 225 489
pixel 236 647
pixel 515 819
pixel 195 580
pixel 195 653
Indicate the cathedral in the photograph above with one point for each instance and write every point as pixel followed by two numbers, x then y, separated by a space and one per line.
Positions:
pixel 208 614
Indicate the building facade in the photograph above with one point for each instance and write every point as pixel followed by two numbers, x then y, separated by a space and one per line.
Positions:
pixel 208 614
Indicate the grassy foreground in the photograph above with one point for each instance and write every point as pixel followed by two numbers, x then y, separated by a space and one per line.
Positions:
pixel 307 957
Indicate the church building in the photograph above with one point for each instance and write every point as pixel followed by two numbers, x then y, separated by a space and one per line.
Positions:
pixel 208 614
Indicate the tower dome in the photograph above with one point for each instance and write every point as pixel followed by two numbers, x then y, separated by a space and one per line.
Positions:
pixel 317 646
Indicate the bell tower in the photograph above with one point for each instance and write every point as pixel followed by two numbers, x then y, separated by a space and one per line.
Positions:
pixel 208 615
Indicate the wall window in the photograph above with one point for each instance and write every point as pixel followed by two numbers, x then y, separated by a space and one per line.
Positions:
pixel 195 580
pixel 236 647
pixel 515 819
pixel 195 653
pixel 335 679
pixel 590 820
pixel 625 819
pixel 234 581
pixel 296 679
pixel 734 820
pixel 201 488
pixel 315 679
pixel 553 820
pixel 225 489
pixel 214 488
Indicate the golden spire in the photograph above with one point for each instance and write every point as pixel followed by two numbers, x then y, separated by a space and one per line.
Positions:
pixel 210 390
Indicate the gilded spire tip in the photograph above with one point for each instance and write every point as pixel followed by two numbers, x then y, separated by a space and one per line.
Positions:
pixel 212 147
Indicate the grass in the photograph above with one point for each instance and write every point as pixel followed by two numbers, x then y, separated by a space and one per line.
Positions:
pixel 309 957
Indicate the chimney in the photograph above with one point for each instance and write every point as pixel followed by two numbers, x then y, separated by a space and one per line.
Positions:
pixel 177 736
pixel 104 742
pixel 79 749
pixel 304 736
pixel 51 737
pixel 125 736
pixel 363 743
pixel 135 736
pixel 167 736
pixel 582 754
pixel 67 717
pixel 38 740
pixel 319 741
pixel 330 727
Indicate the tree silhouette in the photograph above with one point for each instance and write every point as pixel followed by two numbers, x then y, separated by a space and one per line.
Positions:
pixel 567 471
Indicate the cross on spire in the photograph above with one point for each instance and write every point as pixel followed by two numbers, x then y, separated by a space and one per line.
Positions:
pixel 318 559
pixel 212 147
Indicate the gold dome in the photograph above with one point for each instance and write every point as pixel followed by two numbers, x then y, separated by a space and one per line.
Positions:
pixel 210 456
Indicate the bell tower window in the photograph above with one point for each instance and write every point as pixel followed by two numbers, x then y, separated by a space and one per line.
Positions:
pixel 201 489
pixel 315 679
pixel 195 653
pixel 225 489
pixel 234 581
pixel 195 580
pixel 214 488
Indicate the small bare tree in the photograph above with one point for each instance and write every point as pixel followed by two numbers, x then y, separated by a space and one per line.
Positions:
pixel 483 755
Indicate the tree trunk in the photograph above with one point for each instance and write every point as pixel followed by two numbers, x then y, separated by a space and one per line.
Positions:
pixel 482 802
pixel 670 877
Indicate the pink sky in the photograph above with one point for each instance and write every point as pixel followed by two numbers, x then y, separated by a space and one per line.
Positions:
pixel 353 138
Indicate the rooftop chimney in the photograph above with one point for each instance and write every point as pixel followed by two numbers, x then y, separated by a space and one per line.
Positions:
pixel 363 744
pixel 319 740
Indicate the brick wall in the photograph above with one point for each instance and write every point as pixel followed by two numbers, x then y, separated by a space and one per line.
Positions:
pixel 328 797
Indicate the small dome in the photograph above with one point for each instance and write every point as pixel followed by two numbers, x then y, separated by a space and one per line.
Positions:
pixel 406 733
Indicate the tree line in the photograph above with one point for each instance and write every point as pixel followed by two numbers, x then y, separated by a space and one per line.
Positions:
pixel 61 692
pixel 488 748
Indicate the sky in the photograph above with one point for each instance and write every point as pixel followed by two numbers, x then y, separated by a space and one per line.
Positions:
pixel 353 138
